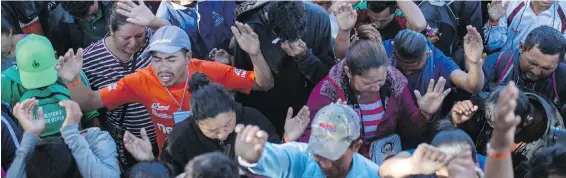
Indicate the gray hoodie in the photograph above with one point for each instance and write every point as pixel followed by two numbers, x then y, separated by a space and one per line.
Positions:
pixel 95 152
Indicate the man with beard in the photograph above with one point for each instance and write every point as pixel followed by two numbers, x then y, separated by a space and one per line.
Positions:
pixel 331 151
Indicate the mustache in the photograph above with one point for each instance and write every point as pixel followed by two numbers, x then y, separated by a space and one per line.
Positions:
pixel 171 73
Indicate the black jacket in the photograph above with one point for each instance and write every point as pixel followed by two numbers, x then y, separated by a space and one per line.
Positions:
pixel 187 141
pixel 294 80
pixel 64 33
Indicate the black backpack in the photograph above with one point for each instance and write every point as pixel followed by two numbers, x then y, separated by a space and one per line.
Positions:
pixel 442 25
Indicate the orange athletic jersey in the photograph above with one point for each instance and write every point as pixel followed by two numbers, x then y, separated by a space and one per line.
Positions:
pixel 144 87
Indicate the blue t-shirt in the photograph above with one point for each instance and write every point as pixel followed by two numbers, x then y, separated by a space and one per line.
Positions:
pixel 437 65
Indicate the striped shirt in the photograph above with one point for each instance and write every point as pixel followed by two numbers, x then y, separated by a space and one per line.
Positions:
pixel 103 68
pixel 372 115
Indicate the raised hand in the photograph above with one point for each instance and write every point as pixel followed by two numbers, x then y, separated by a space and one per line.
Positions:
pixel 296 49
pixel 220 56
pixel 496 9
pixel 72 111
pixel 462 166
pixel 295 126
pixel 463 111
pixel 138 14
pixel 505 121
pixel 70 65
pixel 246 37
pixel 250 142
pixel 428 159
pixel 140 148
pixel 24 113
pixel 346 16
pixel 473 46
pixel 431 101
pixel 369 32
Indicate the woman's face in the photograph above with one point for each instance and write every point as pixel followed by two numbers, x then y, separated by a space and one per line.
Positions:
pixel 129 38
pixel 369 82
pixel 218 127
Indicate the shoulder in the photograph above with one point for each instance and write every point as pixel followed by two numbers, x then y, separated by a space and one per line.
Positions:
pixel 255 115
pixel 368 165
pixel 316 10
pixel 59 14
pixel 94 48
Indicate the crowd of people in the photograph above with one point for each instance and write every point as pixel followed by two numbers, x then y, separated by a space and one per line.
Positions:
pixel 194 89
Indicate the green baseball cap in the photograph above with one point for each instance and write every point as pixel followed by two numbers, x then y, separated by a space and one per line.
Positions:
pixel 36 62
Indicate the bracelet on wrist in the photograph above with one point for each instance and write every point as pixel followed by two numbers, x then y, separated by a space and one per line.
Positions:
pixel 496 154
pixel 74 83
pixel 493 23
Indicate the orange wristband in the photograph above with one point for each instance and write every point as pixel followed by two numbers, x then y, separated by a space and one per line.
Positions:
pixel 341 39
pixel 74 84
pixel 497 155
pixel 493 23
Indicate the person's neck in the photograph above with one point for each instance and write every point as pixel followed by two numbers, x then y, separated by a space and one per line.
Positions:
pixel 345 173
pixel 183 79
pixel 183 2
pixel 539 9
pixel 122 56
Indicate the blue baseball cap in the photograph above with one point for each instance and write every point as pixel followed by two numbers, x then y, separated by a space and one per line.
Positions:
pixel 168 39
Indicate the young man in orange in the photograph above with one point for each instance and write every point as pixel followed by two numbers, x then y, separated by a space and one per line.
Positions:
pixel 162 87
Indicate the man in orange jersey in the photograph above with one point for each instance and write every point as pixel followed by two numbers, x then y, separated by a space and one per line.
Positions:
pixel 162 87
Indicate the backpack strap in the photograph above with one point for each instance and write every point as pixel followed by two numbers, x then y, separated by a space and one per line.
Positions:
pixel 514 12
pixel 562 18
pixel 508 65
pixel 555 88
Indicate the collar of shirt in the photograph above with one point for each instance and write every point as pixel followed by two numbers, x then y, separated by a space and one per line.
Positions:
pixel 96 17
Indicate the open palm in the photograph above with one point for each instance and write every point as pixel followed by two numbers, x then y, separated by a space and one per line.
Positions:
pixel 70 65
pixel 294 127
pixel 496 9
pixel 24 113
pixel 473 45
pixel 138 14
pixel 140 148
pixel 346 16
pixel 246 37
pixel 435 94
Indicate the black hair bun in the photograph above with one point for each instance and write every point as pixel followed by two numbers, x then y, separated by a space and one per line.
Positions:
pixel 197 81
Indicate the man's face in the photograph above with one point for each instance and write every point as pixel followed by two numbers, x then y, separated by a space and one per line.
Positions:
pixel 170 68
pixel 129 38
pixel 91 13
pixel 535 65
pixel 382 19
pixel 341 166
pixel 408 68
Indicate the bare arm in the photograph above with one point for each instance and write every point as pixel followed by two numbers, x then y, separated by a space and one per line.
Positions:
pixel 398 166
pixel 342 43
pixel 346 18
pixel 414 15
pixel 248 40
pixel 472 81
pixel 264 77
pixel 88 100
pixel 499 163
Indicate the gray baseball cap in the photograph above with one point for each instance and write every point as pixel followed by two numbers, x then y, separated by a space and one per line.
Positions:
pixel 168 39
pixel 333 129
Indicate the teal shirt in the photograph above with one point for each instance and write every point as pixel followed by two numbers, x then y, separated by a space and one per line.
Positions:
pixel 94 29
pixel 13 91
